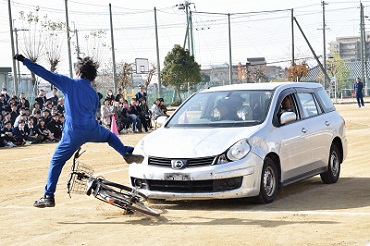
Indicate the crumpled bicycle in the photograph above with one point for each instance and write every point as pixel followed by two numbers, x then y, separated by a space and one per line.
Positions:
pixel 82 181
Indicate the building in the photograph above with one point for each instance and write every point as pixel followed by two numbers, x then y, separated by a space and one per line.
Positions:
pixel 349 48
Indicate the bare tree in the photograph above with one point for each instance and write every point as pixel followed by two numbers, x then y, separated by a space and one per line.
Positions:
pixel 53 41
pixel 33 41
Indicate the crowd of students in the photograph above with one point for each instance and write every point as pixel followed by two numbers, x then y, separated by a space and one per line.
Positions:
pixel 21 124
pixel 133 116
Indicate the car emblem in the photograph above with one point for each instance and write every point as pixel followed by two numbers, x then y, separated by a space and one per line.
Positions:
pixel 178 164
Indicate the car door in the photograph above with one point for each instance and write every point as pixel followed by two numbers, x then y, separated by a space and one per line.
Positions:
pixel 293 151
pixel 319 133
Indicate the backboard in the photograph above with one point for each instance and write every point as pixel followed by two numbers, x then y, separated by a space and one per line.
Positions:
pixel 142 65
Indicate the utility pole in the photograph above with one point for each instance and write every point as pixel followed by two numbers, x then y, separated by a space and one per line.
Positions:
pixel 362 44
pixel 157 48
pixel 113 51
pixel 292 24
pixel 68 41
pixel 77 44
pixel 189 34
pixel 15 80
pixel 230 58
pixel 16 30
pixel 324 38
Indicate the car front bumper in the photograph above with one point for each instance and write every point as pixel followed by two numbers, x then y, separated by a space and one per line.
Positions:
pixel 232 180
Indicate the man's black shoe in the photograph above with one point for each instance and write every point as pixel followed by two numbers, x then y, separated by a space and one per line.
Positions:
pixel 131 158
pixel 46 201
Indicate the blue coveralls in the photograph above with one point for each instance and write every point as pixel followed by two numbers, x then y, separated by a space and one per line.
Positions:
pixel 80 125
pixel 358 92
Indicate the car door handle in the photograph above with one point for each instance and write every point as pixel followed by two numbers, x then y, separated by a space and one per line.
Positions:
pixel 304 130
pixel 327 123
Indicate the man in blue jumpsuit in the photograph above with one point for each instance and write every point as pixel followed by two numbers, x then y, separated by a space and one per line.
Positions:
pixel 358 87
pixel 80 126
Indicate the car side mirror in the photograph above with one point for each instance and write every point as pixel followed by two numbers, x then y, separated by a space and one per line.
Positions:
pixel 287 117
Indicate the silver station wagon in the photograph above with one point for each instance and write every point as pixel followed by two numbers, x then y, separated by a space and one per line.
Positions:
pixel 245 140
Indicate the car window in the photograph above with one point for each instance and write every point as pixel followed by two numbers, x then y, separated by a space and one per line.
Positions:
pixel 325 100
pixel 223 109
pixel 309 104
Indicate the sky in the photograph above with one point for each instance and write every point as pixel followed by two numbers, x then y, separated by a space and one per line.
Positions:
pixel 258 29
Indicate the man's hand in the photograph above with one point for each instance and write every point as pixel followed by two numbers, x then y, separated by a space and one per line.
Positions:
pixel 19 57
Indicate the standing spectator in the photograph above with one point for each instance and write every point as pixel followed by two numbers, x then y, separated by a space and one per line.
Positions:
pixel 41 98
pixel 358 87
pixel 106 113
pixel 119 94
pixel 7 134
pixel 141 93
pixel 26 102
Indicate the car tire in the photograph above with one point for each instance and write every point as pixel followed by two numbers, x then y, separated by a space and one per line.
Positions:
pixel 332 174
pixel 269 182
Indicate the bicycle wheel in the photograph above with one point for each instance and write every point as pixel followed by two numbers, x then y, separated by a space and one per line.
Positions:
pixel 123 187
pixel 126 201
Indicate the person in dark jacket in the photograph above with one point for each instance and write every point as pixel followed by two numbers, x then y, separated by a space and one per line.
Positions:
pixel 20 133
pixel 358 87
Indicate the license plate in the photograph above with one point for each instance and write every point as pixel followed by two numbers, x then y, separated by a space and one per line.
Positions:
pixel 176 176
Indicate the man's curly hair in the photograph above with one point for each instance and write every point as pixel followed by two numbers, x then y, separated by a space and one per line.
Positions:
pixel 87 68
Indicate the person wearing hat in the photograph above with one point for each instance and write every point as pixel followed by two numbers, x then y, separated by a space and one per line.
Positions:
pixel 141 94
pixel 80 126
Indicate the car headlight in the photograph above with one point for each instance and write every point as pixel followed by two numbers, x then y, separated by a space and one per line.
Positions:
pixel 236 152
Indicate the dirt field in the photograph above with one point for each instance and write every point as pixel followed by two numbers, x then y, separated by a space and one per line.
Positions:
pixel 306 213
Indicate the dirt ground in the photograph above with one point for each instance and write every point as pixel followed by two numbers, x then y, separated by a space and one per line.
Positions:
pixel 306 213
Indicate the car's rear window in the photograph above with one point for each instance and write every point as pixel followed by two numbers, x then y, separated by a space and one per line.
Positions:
pixel 325 100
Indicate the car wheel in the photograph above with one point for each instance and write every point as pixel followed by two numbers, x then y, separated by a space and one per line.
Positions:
pixel 332 174
pixel 269 182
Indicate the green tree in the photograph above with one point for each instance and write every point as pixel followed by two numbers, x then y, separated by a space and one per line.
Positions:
pixel 180 68
pixel 336 67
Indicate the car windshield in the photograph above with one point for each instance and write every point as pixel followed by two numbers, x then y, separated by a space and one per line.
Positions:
pixel 223 109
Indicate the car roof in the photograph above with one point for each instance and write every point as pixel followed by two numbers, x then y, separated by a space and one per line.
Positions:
pixel 264 86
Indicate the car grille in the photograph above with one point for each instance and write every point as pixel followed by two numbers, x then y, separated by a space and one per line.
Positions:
pixel 192 162
pixel 200 186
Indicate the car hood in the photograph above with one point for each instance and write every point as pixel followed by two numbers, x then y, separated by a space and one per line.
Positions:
pixel 192 143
